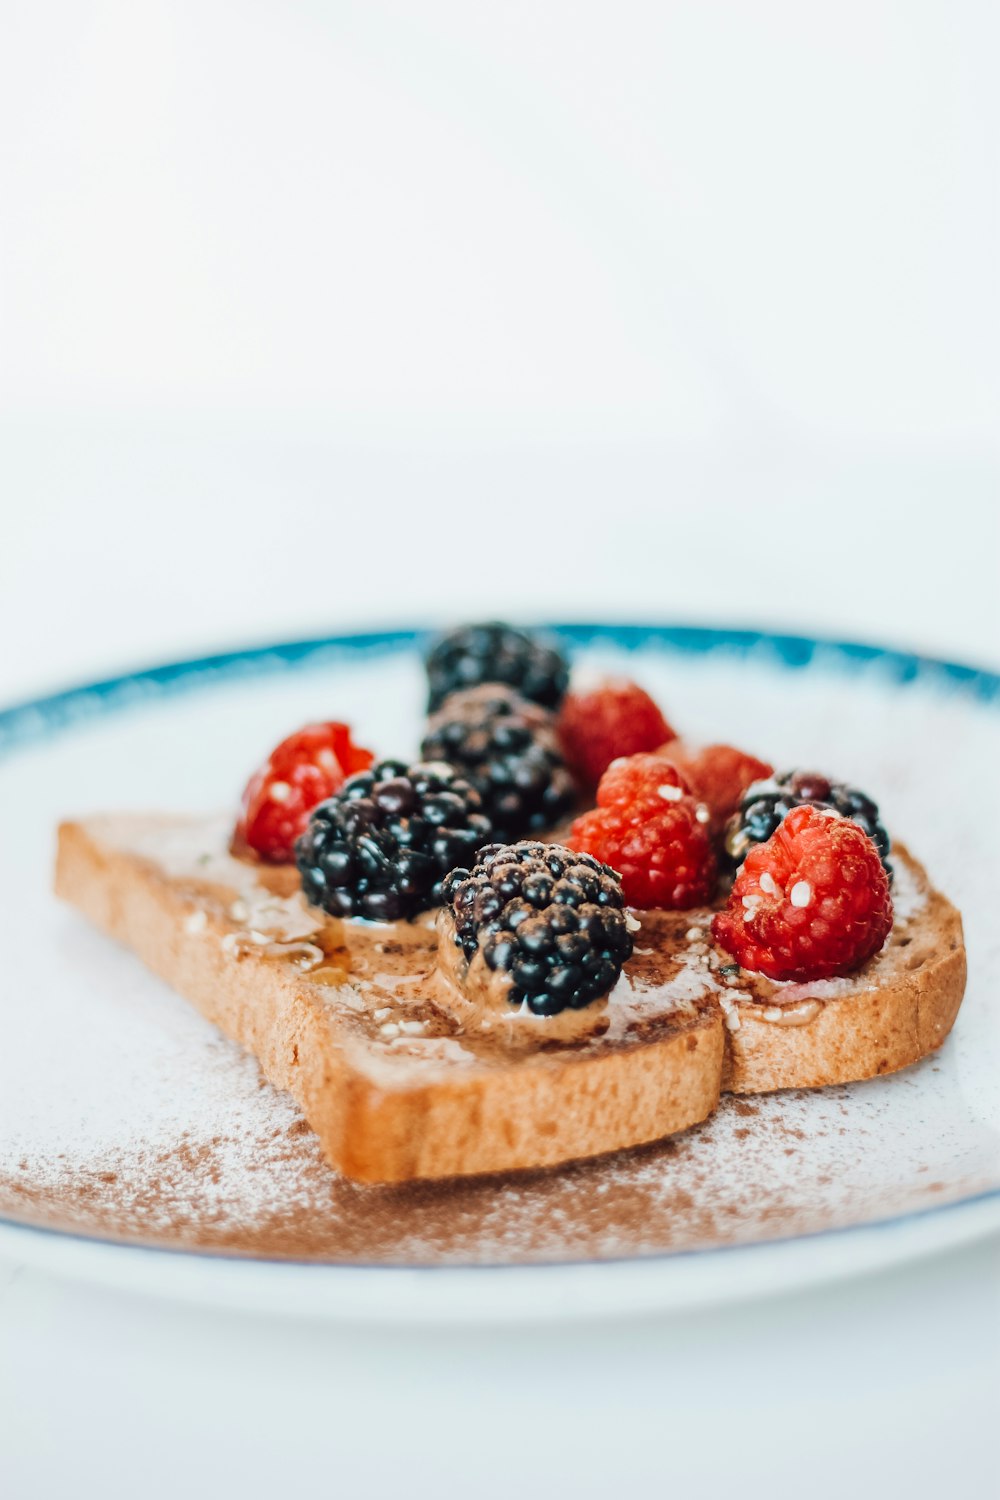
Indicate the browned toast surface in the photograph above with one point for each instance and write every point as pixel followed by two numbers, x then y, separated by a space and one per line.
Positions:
pixel 401 1079
pixel 394 1084
pixel 899 1007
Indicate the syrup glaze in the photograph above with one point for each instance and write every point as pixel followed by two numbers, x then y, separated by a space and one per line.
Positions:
pixel 404 987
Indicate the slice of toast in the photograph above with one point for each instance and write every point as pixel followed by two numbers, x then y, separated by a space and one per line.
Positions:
pixel 893 1012
pixel 402 1079
pixel 395 1086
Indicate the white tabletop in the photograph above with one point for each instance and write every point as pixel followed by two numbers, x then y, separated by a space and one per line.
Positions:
pixel 884 1387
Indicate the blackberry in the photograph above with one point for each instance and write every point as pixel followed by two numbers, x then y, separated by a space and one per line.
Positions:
pixel 766 803
pixel 495 652
pixel 508 748
pixel 381 846
pixel 551 919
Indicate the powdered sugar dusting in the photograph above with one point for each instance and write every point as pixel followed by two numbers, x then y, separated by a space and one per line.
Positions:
pixel 124 1114
pixel 909 895
pixel 631 1002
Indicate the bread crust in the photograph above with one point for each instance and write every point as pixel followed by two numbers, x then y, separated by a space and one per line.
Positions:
pixel 865 1033
pixel 540 1111
pixel 536 1110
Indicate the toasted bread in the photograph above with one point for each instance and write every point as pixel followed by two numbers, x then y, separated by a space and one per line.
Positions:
pixel 896 1010
pixel 394 1086
pixel 402 1080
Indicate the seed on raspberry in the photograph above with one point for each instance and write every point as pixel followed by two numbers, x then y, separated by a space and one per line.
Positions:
pixel 648 828
pixel 299 773
pixel 382 845
pixel 550 919
pixel 507 747
pixel 767 802
pixel 495 652
pixel 615 718
pixel 812 902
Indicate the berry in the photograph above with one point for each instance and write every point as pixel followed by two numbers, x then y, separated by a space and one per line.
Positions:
pixel 633 777
pixel 767 802
pixel 496 653
pixel 551 919
pixel 507 748
pixel 304 769
pixel 649 829
pixel 812 902
pixel 718 775
pixel 382 845
pixel 616 718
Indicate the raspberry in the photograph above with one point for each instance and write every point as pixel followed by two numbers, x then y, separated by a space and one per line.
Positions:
pixel 507 747
pixel 549 918
pixel 718 775
pixel 812 902
pixel 304 769
pixel 496 652
pixel 765 804
pixel 617 718
pixel 652 832
pixel 633 777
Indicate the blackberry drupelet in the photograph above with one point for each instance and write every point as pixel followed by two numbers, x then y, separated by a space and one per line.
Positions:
pixel 551 919
pixel 508 748
pixel 381 846
pixel 766 803
pixel 495 652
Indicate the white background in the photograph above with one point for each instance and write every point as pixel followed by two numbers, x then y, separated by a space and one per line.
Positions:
pixel 315 315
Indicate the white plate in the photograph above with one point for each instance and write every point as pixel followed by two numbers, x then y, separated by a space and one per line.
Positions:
pixel 108 1081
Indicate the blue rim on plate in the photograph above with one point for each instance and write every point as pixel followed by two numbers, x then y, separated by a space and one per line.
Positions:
pixel 38 719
